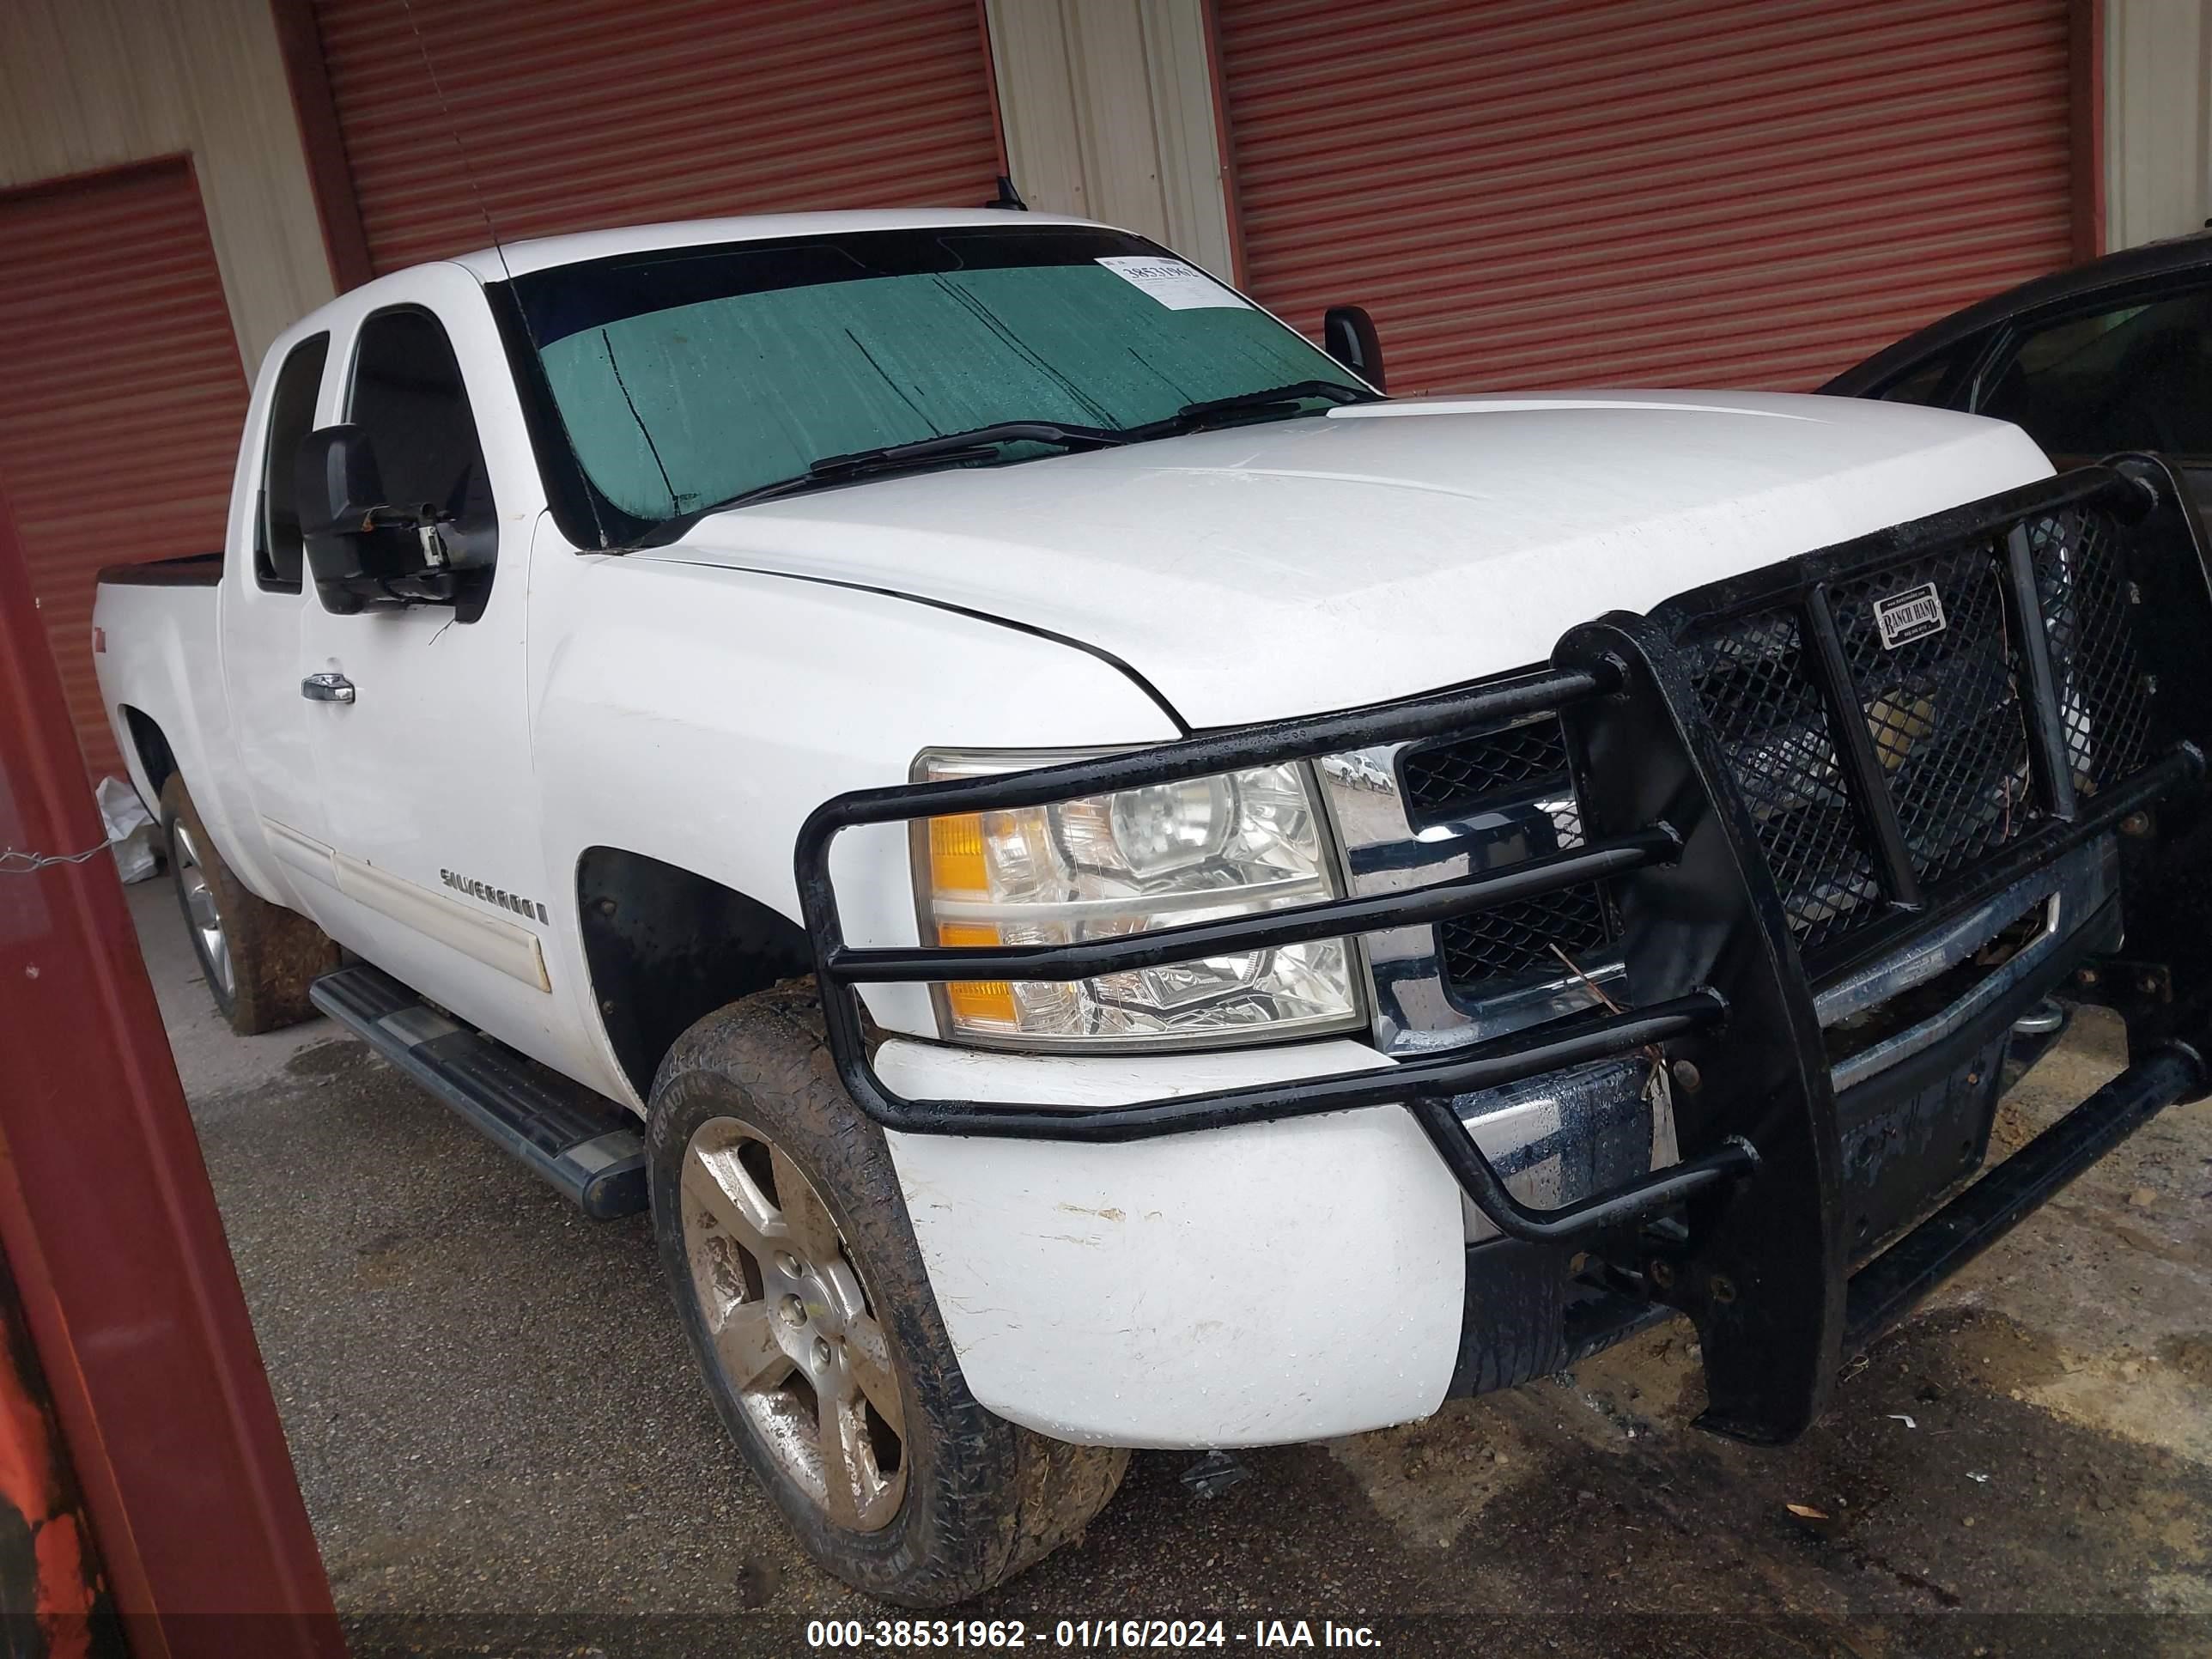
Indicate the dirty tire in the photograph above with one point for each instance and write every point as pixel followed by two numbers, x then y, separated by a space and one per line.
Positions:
pixel 984 1500
pixel 275 953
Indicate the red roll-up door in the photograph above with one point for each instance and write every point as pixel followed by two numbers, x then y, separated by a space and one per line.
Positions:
pixel 122 400
pixel 560 115
pixel 1561 192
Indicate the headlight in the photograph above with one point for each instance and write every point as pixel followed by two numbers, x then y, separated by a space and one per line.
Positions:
pixel 1104 865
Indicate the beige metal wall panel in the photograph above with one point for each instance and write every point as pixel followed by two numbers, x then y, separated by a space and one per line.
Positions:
pixel 2158 119
pixel 1107 106
pixel 1193 180
pixel 1032 65
pixel 91 84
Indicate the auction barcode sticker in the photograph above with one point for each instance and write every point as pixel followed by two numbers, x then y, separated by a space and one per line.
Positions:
pixel 1913 615
pixel 1177 286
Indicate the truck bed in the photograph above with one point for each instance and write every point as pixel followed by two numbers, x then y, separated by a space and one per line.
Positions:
pixel 192 571
pixel 155 649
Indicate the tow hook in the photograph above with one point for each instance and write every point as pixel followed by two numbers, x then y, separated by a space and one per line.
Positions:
pixel 1214 1474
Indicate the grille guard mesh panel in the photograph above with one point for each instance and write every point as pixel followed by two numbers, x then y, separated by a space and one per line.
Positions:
pixel 1767 706
pixel 1515 940
pixel 1946 715
pixel 1944 710
pixel 1459 776
pixel 2103 699
pixel 1522 770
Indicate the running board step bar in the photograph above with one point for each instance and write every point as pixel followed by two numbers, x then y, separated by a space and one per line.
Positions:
pixel 586 1147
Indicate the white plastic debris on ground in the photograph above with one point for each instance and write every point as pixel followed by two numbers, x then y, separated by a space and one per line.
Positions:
pixel 129 829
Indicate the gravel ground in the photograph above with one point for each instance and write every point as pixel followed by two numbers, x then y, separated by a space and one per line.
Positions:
pixel 504 1447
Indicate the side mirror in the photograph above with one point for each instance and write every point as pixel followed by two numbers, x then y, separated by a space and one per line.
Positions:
pixel 337 481
pixel 1347 334
pixel 362 551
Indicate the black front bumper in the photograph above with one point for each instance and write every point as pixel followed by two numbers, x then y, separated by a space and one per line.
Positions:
pixel 1725 927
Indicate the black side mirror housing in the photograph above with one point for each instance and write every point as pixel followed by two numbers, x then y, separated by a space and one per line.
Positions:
pixel 1347 334
pixel 363 552
pixel 336 481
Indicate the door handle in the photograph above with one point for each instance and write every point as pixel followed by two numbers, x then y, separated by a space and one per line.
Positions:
pixel 326 688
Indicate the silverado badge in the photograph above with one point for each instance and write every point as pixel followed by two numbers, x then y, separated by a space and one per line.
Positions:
pixel 1913 615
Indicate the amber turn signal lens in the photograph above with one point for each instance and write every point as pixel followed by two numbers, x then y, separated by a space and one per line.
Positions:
pixel 955 857
pixel 976 1001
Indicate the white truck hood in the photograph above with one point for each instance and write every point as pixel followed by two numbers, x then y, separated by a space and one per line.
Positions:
pixel 1382 550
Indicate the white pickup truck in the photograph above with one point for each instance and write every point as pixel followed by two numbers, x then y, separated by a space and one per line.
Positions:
pixel 1111 886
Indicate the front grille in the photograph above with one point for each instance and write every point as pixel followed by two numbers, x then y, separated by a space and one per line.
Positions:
pixel 1944 712
pixel 1520 772
pixel 1455 776
pixel 1516 939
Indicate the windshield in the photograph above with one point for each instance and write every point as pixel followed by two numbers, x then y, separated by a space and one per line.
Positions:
pixel 685 377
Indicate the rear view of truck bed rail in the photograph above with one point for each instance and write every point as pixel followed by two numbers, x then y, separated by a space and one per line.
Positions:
pixel 1783 778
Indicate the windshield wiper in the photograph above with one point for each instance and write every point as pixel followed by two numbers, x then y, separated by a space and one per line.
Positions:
pixel 1192 417
pixel 978 443
pixel 956 443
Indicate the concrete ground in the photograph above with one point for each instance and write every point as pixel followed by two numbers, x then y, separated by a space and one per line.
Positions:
pixel 504 1447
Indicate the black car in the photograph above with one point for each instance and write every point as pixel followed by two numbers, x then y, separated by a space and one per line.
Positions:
pixel 2114 355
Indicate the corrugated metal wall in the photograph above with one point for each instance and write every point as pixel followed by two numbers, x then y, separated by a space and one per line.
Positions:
pixel 1533 192
pixel 578 113
pixel 122 404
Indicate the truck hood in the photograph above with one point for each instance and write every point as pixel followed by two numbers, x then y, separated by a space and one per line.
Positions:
pixel 1381 549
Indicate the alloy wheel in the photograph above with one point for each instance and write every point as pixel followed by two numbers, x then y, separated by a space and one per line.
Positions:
pixel 792 1328
pixel 203 917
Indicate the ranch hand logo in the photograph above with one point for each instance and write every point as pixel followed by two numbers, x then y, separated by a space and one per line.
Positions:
pixel 1913 615
pixel 529 910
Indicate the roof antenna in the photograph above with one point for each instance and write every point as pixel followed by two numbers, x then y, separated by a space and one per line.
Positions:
pixel 1008 197
pixel 475 194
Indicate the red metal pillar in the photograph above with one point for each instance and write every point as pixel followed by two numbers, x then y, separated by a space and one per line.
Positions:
pixel 109 1232
pixel 2084 46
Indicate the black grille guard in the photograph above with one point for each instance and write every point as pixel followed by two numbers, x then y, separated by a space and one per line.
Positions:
pixel 1716 980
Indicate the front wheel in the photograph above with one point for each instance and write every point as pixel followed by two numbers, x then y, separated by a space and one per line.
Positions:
pixel 787 1247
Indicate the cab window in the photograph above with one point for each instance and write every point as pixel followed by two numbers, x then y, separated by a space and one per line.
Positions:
pixel 2132 376
pixel 1935 381
pixel 278 553
pixel 409 397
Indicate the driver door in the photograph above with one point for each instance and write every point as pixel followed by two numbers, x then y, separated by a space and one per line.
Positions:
pixel 417 715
